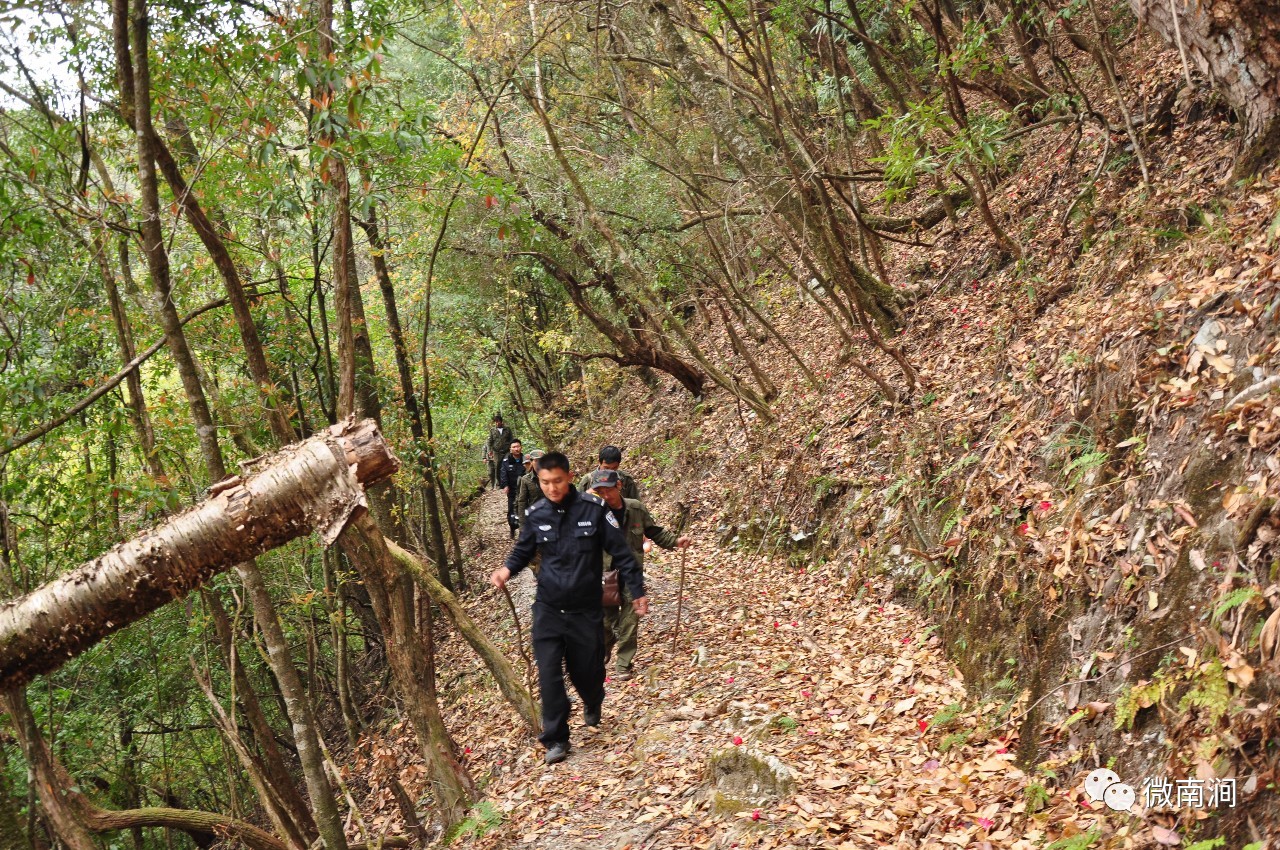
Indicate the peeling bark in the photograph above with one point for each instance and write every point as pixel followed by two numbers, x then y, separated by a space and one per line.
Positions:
pixel 313 484
pixel 1236 44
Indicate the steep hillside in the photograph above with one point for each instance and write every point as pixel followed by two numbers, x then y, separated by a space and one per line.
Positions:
pixel 1080 495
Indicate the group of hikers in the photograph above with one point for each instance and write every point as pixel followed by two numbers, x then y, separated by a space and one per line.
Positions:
pixel 586 546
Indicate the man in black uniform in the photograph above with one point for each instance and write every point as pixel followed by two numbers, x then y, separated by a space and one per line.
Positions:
pixel 509 472
pixel 572 531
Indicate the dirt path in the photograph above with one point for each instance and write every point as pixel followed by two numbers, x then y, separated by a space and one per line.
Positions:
pixel 773 663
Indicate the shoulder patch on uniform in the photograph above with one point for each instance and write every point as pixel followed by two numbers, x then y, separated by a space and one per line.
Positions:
pixel 611 519
pixel 592 498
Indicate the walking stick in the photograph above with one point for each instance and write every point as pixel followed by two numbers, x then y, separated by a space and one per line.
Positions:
pixel 675 635
pixel 528 665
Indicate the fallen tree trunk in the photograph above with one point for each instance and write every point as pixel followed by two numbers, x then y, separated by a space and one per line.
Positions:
pixel 315 484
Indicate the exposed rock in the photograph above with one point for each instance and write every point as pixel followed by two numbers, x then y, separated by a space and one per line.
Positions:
pixel 739 778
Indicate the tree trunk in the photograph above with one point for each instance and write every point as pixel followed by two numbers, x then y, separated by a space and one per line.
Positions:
pixel 1236 44
pixel 153 237
pixel 392 594
pixel 426 451
pixel 270 800
pixel 45 775
pixel 200 222
pixel 76 818
pixel 274 770
pixel 138 415
pixel 314 484
pixel 509 681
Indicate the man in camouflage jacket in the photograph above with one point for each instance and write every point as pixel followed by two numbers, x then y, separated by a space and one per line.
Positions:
pixel 621 625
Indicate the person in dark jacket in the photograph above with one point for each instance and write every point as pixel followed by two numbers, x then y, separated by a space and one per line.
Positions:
pixel 572 531
pixel 509 472
pixel 529 491
pixel 497 446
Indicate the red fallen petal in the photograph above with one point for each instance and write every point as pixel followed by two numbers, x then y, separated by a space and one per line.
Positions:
pixel 986 823
pixel 728 680
pixel 923 724
pixel 1002 751
pixel 795 623
pixel 804 694
pixel 737 740
pixel 466 749
pixel 755 815
pixel 1045 506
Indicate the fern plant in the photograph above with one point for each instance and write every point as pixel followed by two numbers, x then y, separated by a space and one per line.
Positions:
pixel 484 818
pixel 1234 599
pixel 1076 842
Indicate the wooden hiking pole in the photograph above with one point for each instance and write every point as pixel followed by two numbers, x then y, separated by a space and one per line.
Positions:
pixel 675 635
pixel 684 559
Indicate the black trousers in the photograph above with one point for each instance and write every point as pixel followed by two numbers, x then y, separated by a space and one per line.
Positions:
pixel 575 640
pixel 511 508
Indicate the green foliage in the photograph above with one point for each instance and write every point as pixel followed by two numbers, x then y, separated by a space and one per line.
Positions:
pixel 1037 797
pixel 1076 842
pixel 1209 692
pixel 1081 466
pixel 1211 844
pixel 785 724
pixel 946 715
pixel 1138 697
pixel 1236 598
pixel 483 819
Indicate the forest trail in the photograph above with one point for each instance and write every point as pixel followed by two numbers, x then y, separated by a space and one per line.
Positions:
pixel 840 687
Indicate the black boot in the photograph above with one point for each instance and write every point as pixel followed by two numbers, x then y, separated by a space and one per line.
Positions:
pixel 557 753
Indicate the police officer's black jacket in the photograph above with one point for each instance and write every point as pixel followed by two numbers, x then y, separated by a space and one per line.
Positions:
pixel 572 537
pixel 509 472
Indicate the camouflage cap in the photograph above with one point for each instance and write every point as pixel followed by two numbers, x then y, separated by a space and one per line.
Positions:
pixel 532 455
pixel 604 478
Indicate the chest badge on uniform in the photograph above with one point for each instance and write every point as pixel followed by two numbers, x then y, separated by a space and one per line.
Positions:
pixel 544 528
pixel 584 523
pixel 611 519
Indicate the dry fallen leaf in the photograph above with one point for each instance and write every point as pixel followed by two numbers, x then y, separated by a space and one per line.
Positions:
pixel 1269 640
